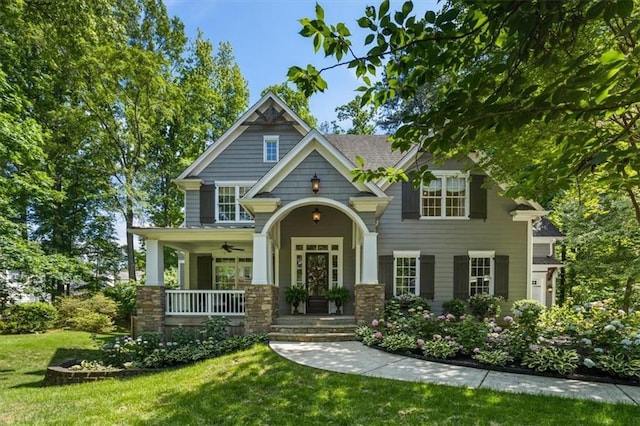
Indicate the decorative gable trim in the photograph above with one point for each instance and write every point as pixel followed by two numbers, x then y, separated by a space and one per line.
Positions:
pixel 238 128
pixel 313 141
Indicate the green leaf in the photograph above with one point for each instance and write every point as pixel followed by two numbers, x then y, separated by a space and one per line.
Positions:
pixel 407 7
pixel 364 22
pixel 384 8
pixel 430 16
pixel 316 42
pixel 625 8
pixel 612 56
pixel 319 12
pixel 369 39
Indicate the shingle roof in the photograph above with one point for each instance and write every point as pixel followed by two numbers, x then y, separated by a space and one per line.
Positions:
pixel 374 149
pixel 545 228
pixel 546 260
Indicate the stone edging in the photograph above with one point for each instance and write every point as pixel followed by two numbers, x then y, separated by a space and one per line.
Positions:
pixel 60 374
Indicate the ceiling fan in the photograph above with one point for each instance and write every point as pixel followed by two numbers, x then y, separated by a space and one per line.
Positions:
pixel 229 248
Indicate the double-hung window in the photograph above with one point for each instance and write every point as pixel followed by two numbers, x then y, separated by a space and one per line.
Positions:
pixel 406 272
pixel 228 208
pixel 446 196
pixel 271 151
pixel 481 272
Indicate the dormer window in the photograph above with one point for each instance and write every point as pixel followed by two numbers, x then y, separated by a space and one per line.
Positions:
pixel 271 149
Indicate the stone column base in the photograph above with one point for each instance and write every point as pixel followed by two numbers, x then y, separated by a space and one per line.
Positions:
pixel 369 302
pixel 150 308
pixel 261 307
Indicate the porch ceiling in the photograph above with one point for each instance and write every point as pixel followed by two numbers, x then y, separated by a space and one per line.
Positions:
pixel 198 239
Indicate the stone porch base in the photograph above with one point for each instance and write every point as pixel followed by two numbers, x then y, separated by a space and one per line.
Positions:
pixel 261 307
pixel 369 302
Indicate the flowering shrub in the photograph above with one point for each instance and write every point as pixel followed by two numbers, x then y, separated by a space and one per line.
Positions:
pixel 152 350
pixel 560 339
pixel 485 305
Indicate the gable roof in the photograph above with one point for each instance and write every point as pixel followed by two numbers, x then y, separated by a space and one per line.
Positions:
pixel 238 127
pixel 313 141
pixel 375 150
pixel 545 228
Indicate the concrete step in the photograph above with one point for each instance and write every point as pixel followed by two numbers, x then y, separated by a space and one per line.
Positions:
pixel 317 329
pixel 311 337
pixel 316 320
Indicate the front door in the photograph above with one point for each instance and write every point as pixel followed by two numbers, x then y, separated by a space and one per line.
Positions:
pixel 317 268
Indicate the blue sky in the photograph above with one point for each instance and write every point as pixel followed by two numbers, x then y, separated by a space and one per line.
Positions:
pixel 265 40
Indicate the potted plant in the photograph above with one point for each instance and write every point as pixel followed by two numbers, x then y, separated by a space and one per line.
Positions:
pixel 338 295
pixel 294 295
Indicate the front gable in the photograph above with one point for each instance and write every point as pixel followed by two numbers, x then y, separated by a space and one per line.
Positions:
pixel 268 116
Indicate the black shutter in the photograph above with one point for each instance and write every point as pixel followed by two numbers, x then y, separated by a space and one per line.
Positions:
pixel 410 201
pixel 207 202
pixel 477 198
pixel 461 277
pixel 501 280
pixel 427 276
pixel 204 273
pixel 385 274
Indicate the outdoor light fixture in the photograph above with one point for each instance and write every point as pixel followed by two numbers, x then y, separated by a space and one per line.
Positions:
pixel 315 184
pixel 315 215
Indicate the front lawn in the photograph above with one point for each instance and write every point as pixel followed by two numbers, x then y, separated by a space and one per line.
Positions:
pixel 256 386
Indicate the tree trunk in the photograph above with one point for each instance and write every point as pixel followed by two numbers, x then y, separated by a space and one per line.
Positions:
pixel 131 255
pixel 636 205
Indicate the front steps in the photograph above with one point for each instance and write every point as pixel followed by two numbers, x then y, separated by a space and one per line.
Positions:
pixel 313 328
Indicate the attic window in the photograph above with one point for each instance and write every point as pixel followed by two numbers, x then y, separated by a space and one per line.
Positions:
pixel 271 149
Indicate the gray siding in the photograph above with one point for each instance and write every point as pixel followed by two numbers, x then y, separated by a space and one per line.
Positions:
pixel 541 250
pixel 333 224
pixel 243 158
pixel 192 208
pixel 298 183
pixel 448 238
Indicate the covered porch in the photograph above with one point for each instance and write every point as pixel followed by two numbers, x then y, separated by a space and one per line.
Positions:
pixel 243 273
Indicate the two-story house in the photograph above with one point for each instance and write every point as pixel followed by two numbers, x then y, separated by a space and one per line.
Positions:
pixel 272 203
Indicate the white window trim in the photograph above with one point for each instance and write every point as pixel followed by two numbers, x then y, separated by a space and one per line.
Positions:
pixel 404 254
pixel 236 264
pixel 442 175
pixel 236 185
pixel 265 140
pixel 491 254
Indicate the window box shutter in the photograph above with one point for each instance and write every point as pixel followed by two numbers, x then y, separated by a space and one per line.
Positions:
pixel 410 201
pixel 385 274
pixel 207 202
pixel 477 198
pixel 427 276
pixel 501 280
pixel 461 277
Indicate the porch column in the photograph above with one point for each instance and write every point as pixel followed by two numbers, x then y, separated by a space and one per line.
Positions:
pixel 260 259
pixel 370 258
pixel 261 297
pixel 155 263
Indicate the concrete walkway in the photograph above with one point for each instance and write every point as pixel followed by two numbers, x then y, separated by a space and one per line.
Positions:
pixel 356 358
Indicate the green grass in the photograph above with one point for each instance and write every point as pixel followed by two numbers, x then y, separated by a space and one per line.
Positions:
pixel 257 386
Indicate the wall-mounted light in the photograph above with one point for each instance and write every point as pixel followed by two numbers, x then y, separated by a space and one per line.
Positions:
pixel 549 289
pixel 315 215
pixel 315 184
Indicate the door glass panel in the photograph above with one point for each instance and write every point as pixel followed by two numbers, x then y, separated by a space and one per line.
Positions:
pixel 317 273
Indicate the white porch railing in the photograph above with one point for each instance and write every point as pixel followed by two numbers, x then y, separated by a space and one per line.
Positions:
pixel 205 302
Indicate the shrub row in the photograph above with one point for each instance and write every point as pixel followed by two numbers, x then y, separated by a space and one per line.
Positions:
pixel 561 339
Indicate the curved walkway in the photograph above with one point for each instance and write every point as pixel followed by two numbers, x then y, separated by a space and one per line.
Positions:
pixel 356 358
